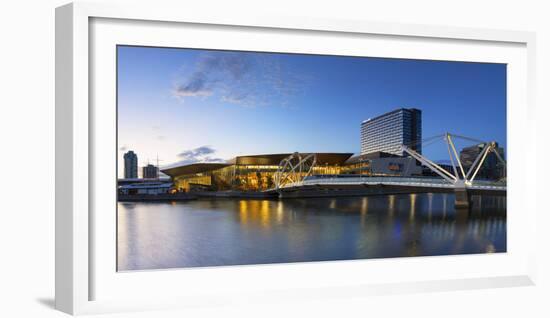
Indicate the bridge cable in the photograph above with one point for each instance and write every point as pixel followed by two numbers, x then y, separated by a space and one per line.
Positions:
pixel 468 138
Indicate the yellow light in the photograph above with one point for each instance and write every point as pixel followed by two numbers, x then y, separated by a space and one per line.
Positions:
pixel 413 206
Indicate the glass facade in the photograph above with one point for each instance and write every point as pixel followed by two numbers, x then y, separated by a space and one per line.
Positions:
pixel 260 177
pixel 193 181
pixel 387 132
pixel 253 177
pixel 247 173
pixel 242 177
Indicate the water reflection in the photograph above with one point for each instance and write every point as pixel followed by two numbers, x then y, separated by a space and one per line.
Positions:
pixel 231 232
pixel 413 206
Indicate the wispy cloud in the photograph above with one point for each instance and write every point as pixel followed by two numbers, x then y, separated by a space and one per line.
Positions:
pixel 197 85
pixel 199 154
pixel 240 78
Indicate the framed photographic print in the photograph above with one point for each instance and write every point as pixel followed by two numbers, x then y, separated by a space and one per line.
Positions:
pixel 200 158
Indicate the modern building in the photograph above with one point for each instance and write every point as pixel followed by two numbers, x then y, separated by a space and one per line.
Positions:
pixel 258 172
pixel 130 165
pixel 151 188
pixel 387 132
pixel 150 172
pixel 492 167
pixel 123 181
pixel 246 173
pixel 383 164
pixel 445 165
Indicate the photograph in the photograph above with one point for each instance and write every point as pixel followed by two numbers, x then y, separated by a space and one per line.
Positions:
pixel 229 157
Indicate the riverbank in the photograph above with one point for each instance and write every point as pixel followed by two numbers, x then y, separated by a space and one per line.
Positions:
pixel 311 191
pixel 156 197
pixel 195 195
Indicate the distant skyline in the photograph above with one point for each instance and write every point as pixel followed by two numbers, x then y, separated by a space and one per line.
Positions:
pixel 188 105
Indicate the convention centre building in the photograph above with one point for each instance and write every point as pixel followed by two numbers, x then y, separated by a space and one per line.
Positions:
pixel 259 172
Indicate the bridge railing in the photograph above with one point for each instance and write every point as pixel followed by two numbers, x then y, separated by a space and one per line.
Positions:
pixel 404 181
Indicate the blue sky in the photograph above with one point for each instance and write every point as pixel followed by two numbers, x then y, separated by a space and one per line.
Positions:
pixel 187 105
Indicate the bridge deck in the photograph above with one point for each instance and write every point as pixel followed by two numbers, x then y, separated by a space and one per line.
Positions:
pixel 396 181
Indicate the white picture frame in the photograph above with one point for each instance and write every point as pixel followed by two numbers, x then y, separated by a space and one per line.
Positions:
pixel 78 252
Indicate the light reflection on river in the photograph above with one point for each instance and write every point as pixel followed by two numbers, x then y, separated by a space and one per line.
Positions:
pixel 249 231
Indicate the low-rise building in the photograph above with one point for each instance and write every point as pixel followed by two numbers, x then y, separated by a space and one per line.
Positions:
pixel 258 172
pixel 153 188
pixel 247 173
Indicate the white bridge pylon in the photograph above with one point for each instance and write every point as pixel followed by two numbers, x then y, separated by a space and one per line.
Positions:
pixel 294 168
pixel 460 178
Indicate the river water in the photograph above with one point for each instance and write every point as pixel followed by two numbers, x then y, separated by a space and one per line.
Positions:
pixel 217 232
